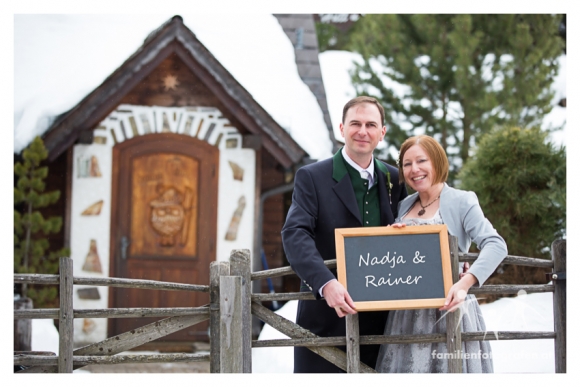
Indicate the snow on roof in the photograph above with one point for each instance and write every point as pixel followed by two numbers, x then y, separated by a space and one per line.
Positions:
pixel 59 59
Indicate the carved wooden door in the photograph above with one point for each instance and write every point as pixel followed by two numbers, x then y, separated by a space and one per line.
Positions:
pixel 164 220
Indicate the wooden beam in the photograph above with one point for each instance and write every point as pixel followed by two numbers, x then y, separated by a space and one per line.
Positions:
pixel 129 340
pixel 290 329
pixel 559 258
pixel 240 265
pixel 453 319
pixel 216 270
pixel 231 330
pixel 65 317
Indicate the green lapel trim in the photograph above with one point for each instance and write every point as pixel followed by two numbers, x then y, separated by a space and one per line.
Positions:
pixel 381 166
pixel 338 166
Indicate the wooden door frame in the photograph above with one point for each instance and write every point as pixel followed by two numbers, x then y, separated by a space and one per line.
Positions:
pixel 208 188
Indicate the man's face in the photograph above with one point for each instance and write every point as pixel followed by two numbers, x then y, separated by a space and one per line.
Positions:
pixel 362 131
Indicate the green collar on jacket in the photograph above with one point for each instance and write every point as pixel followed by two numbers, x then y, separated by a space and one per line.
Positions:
pixel 339 166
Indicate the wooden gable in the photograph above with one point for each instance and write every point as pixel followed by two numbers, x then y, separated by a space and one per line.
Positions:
pixel 173 48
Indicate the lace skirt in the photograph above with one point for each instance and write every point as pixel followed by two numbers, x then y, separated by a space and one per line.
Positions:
pixel 431 357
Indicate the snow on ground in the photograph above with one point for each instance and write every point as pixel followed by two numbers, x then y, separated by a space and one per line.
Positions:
pixel 44 336
pixel 531 312
pixel 59 59
pixel 527 312
pixel 280 359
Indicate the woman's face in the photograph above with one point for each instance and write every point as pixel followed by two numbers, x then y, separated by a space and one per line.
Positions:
pixel 418 169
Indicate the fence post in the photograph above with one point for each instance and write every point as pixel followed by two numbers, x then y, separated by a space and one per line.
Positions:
pixel 455 362
pixel 559 258
pixel 352 344
pixel 231 331
pixel 66 317
pixel 240 265
pixel 216 270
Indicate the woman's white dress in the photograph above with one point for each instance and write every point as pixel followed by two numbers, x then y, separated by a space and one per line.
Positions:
pixel 431 357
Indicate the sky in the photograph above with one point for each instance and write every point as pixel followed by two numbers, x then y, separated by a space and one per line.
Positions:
pixel 170 7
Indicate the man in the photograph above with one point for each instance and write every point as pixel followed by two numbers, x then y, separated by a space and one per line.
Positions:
pixel 351 189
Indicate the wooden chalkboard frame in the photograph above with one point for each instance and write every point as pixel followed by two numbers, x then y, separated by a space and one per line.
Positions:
pixel 362 306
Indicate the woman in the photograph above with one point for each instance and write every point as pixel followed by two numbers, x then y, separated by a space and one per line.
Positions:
pixel 424 167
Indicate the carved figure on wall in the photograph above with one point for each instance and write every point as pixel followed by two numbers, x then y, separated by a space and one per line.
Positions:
pixel 88 326
pixel 88 167
pixel 95 170
pixel 89 294
pixel 232 232
pixel 93 209
pixel 237 170
pixel 170 213
pixel 170 82
pixel 92 261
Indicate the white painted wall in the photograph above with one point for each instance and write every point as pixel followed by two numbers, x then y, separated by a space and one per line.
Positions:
pixel 88 190
pixel 230 191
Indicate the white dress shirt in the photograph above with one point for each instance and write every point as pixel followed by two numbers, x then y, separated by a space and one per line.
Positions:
pixel 366 173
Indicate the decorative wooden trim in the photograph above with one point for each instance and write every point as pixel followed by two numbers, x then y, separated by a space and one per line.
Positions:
pixel 204 123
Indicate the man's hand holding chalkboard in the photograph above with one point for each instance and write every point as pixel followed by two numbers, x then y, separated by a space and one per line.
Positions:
pixel 338 298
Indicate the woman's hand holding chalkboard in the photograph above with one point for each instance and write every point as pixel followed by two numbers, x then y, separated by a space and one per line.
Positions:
pixel 338 298
pixel 458 292
pixel 465 268
pixel 397 225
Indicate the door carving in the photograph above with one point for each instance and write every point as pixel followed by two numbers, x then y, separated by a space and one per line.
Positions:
pixel 164 220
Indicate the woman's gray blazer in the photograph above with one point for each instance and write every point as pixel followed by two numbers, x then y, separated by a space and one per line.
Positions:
pixel 464 218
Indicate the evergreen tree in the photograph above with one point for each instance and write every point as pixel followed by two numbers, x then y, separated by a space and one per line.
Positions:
pixel 520 180
pixel 462 75
pixel 30 227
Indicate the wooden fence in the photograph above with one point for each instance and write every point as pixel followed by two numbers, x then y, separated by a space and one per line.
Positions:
pixel 230 311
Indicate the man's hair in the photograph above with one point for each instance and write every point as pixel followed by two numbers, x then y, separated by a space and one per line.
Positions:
pixel 364 99
pixel 434 151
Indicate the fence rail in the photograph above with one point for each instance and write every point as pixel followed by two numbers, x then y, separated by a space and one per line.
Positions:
pixel 232 305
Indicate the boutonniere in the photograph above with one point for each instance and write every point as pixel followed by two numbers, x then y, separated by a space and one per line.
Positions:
pixel 389 185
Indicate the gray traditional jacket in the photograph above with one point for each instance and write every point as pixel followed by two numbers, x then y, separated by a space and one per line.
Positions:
pixel 464 218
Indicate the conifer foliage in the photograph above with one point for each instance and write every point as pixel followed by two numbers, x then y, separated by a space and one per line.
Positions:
pixel 30 227
pixel 461 75
pixel 520 180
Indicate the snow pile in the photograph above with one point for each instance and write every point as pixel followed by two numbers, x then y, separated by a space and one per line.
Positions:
pixel 276 359
pixel 44 336
pixel 527 312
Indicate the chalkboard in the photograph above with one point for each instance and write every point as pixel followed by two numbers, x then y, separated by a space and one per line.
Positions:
pixel 387 268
